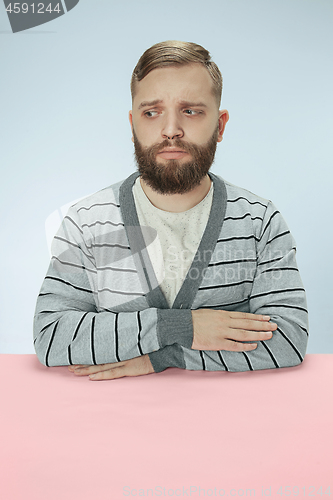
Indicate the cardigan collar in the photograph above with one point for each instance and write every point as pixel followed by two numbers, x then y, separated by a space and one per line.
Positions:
pixel 189 288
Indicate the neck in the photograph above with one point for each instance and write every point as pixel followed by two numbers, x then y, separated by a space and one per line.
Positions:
pixel 177 202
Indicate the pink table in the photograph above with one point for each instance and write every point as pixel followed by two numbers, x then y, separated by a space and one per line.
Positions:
pixel 173 434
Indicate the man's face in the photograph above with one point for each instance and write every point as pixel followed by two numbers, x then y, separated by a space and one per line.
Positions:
pixel 176 125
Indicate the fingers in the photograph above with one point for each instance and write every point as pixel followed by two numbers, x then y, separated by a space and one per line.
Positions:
pixel 84 370
pixel 109 374
pixel 74 367
pixel 244 315
pixel 238 346
pixel 140 365
pixel 252 325
pixel 247 321
pixel 107 371
pixel 248 336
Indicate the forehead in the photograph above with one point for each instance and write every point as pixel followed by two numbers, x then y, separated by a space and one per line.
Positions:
pixel 188 82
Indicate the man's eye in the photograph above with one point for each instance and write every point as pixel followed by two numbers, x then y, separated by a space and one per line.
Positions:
pixel 149 114
pixel 190 112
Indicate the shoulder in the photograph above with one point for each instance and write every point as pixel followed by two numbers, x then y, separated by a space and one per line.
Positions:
pixel 98 209
pixel 240 200
pixel 247 212
pixel 242 195
pixel 106 196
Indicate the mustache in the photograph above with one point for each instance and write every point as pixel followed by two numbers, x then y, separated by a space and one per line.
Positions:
pixel 178 143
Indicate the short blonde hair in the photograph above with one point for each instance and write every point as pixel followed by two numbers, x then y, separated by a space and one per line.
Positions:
pixel 173 53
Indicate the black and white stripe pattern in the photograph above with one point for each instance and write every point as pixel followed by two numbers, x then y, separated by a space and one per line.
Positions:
pixel 97 303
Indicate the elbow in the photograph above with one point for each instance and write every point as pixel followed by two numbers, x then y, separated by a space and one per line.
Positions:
pixel 45 360
pixel 43 340
pixel 296 357
pixel 39 343
pixel 40 352
pixel 293 343
pixel 295 362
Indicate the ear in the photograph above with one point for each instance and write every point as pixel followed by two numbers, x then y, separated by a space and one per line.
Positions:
pixel 130 116
pixel 223 119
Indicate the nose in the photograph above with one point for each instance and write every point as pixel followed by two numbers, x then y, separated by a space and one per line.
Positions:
pixel 171 127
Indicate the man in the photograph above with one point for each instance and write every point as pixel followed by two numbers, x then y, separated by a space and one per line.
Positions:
pixel 173 267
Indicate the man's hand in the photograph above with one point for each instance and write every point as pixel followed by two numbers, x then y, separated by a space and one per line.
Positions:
pixel 227 330
pixel 130 368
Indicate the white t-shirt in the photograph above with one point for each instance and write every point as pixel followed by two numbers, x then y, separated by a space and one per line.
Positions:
pixel 178 238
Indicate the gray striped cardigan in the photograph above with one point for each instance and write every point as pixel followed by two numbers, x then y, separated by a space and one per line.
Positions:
pixel 100 301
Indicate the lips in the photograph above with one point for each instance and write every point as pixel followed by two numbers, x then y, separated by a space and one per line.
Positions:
pixel 172 153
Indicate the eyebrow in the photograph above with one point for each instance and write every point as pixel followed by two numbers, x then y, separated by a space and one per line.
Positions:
pixel 182 102
pixel 149 103
pixel 193 104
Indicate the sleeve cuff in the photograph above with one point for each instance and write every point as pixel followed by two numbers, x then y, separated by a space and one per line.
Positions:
pixel 168 357
pixel 175 326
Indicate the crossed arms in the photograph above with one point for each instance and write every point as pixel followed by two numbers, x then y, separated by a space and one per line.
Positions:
pixel 69 329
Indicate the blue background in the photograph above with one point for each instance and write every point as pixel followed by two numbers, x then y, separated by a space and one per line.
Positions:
pixel 64 134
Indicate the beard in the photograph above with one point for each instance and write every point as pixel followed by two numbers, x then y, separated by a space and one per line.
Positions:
pixel 174 177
